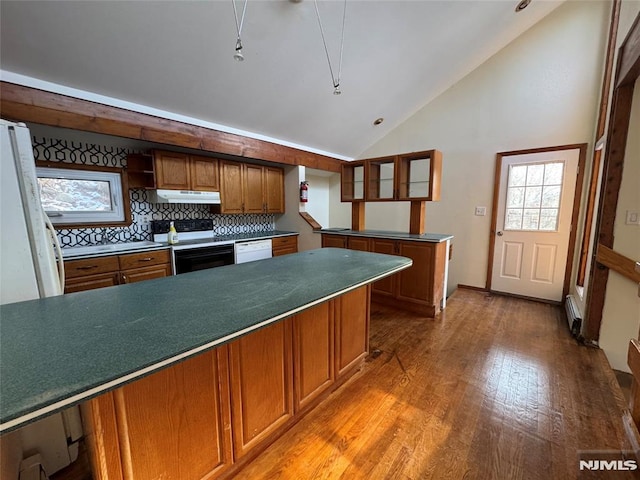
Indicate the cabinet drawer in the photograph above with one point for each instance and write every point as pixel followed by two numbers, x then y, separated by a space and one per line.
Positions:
pixel 91 282
pixel 90 266
pixel 280 242
pixel 144 259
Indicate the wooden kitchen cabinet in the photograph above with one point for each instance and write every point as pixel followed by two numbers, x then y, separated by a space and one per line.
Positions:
pixel 207 416
pixel 334 241
pixel 405 177
pixel 274 189
pixel 386 286
pixel 138 267
pixel 284 245
pixel 358 243
pixel 174 423
pixel 91 273
pixel 352 181
pixel 351 329
pixel 248 188
pixel 421 286
pixel 313 350
pixel 231 187
pixel 100 272
pixel 140 171
pixel 261 374
pixel 180 171
pixel 418 288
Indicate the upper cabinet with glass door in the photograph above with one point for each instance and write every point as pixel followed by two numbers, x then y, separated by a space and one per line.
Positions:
pixel 381 179
pixel 409 176
pixel 419 176
pixel 352 181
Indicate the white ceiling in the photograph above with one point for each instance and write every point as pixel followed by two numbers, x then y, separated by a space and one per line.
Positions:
pixel 177 56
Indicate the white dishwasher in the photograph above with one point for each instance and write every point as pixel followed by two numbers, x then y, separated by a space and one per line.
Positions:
pixel 252 250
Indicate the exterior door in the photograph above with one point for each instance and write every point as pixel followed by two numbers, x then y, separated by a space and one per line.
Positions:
pixel 533 223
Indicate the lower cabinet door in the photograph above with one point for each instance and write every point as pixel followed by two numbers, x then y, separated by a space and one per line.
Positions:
pixel 171 424
pixel 91 282
pixel 386 286
pixel 313 347
pixel 415 284
pixel 351 329
pixel 146 273
pixel 261 376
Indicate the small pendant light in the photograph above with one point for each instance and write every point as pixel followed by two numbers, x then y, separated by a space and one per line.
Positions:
pixel 238 55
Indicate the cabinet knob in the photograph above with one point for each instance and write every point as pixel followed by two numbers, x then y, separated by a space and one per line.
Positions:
pixel 499 234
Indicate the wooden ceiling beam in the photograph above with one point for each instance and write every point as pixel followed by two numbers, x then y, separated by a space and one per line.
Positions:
pixel 26 104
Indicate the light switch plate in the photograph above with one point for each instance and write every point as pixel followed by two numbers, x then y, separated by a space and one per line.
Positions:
pixel 633 217
pixel 481 211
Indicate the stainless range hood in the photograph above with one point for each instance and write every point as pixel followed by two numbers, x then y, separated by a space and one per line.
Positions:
pixel 184 196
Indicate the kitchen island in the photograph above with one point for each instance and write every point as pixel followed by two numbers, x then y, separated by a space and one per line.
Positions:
pixel 421 288
pixel 250 348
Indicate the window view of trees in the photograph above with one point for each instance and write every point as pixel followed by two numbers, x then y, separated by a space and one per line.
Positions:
pixel 69 195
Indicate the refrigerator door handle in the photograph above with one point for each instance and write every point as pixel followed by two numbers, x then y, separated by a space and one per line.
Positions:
pixel 56 243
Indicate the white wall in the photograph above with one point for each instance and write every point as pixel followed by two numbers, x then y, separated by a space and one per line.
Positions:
pixel 541 90
pixel 318 204
pixel 621 314
pixel 291 219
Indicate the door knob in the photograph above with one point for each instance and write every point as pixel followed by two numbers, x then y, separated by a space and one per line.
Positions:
pixel 499 234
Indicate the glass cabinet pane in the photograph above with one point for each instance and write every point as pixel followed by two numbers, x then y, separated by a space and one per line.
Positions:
pixel 353 182
pixel 420 176
pixel 381 183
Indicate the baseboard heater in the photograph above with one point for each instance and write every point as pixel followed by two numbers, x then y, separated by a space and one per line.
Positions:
pixel 574 317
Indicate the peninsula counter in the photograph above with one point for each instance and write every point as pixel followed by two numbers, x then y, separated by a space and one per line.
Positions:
pixel 249 348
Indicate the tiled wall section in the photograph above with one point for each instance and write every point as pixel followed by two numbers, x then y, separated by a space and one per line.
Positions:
pixel 56 150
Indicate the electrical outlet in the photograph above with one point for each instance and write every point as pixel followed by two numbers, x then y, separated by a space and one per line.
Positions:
pixel 481 211
pixel 144 219
pixel 633 217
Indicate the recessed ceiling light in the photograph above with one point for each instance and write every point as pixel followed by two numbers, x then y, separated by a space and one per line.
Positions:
pixel 378 121
pixel 522 5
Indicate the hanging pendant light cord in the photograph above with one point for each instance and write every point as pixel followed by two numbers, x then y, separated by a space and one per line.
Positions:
pixel 235 14
pixel 334 80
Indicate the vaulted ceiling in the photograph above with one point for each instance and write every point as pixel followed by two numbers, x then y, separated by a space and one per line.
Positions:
pixel 177 57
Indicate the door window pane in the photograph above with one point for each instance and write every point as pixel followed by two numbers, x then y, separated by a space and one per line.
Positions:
pixel 533 196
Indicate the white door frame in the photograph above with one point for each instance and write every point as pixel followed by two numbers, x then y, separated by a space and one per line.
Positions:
pixel 575 208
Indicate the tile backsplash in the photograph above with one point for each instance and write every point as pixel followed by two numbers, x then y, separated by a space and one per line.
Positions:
pixel 142 211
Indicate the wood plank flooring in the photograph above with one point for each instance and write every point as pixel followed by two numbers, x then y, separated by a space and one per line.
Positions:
pixel 493 388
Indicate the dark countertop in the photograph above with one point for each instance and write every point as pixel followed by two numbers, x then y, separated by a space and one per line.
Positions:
pixel 58 351
pixel 231 238
pixel 425 237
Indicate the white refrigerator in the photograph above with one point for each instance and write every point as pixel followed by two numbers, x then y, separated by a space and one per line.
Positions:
pixel 29 270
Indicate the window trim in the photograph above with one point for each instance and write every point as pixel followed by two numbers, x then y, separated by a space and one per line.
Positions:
pixel 123 198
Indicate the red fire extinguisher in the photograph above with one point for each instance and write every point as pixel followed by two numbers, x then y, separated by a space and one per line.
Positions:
pixel 304 191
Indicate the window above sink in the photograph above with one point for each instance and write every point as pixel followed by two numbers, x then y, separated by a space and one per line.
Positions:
pixel 74 195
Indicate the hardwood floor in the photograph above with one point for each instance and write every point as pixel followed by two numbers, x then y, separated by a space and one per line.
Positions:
pixel 494 388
